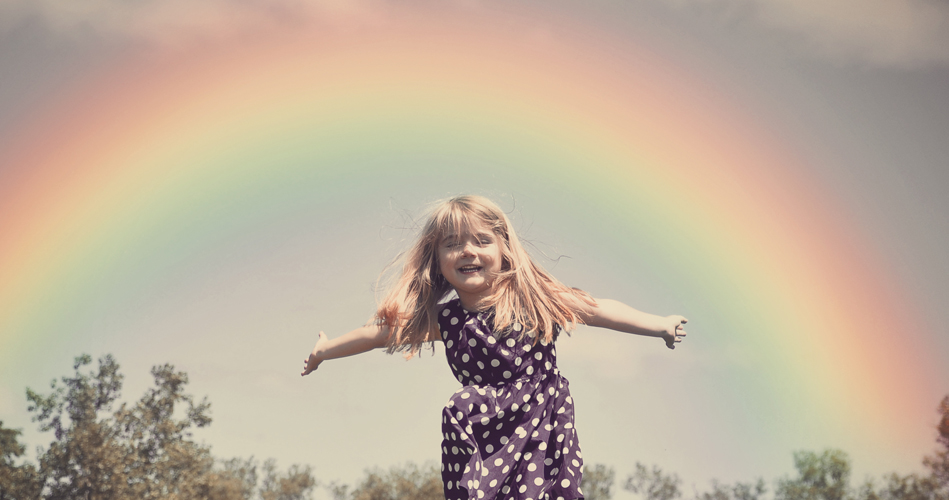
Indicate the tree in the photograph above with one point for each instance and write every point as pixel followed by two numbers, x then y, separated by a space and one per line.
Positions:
pixel 738 491
pixel 408 482
pixel 17 482
pixel 143 450
pixel 597 482
pixel 820 477
pixel 938 463
pixel 654 484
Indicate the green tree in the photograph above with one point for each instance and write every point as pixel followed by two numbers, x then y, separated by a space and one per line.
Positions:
pixel 597 482
pixel 143 450
pixel 737 491
pixel 653 484
pixel 938 463
pixel 408 482
pixel 17 482
pixel 820 477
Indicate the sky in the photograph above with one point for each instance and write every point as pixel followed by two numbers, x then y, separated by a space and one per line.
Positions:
pixel 210 184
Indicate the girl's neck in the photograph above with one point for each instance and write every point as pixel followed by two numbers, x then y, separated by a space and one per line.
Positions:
pixel 471 304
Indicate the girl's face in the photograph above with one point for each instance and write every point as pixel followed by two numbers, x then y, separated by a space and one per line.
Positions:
pixel 470 261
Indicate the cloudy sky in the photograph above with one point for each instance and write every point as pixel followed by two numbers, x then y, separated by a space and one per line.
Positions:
pixel 844 104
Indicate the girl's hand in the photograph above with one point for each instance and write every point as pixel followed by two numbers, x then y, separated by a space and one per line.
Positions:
pixel 674 330
pixel 313 361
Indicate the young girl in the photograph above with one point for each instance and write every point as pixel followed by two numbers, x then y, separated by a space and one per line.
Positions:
pixel 509 430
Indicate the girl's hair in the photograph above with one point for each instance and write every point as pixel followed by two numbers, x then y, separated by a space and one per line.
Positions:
pixel 523 292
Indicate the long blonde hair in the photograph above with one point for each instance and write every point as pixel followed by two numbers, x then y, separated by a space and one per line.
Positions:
pixel 523 292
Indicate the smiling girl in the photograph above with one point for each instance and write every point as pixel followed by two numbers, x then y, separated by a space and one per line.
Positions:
pixel 467 281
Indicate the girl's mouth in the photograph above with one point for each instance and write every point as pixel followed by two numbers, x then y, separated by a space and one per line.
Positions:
pixel 469 269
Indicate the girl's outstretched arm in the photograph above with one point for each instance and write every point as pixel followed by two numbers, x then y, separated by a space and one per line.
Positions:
pixel 357 341
pixel 615 315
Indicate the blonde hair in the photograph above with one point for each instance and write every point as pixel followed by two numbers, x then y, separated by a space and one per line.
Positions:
pixel 523 292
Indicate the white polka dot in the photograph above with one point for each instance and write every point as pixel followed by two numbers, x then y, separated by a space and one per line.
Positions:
pixel 560 438
pixel 489 448
pixel 493 483
pixel 516 327
pixel 480 365
pixel 485 435
pixel 477 378
pixel 539 481
pixel 495 363
pixel 517 362
pixel 454 321
pixel 523 488
pixel 531 467
pixel 530 370
pixel 491 340
pixel 465 395
pixel 538 356
pixel 505 489
pixel 565 483
pixel 485 420
pixel 445 312
pixel 548 365
pixel 504 440
pixel 514 407
pixel 527 397
pixel 505 469
pixel 454 450
pixel 548 461
pixel 510 342
pixel 506 374
pixel 480 494
pixel 465 358
pixel 459 415
pixel 449 343
pixel 542 446
pixel 527 347
pixel 465 373
pixel 472 342
pixel 528 455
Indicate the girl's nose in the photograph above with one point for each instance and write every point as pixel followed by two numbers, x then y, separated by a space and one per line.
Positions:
pixel 467 249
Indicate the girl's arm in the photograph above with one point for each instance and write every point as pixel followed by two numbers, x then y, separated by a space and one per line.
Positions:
pixel 357 341
pixel 615 315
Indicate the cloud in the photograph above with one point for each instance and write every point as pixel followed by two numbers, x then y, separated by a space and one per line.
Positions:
pixel 902 33
pixel 178 21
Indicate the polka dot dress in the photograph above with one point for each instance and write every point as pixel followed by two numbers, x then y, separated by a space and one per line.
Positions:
pixel 509 431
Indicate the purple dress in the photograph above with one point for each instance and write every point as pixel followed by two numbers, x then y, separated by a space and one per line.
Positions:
pixel 509 431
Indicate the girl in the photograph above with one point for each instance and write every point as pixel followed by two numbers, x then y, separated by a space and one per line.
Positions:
pixel 509 430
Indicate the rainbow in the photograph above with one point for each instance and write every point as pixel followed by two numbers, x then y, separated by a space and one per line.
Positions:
pixel 161 157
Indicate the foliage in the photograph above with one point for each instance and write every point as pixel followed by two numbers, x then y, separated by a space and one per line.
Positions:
pixel 737 491
pixel 17 482
pixel 597 482
pixel 938 463
pixel 654 484
pixel 139 451
pixel 820 477
pixel 408 482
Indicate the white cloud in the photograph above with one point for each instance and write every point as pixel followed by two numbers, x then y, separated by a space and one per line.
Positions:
pixel 907 33
pixel 178 21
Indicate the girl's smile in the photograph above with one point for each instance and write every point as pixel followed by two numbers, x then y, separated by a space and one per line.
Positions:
pixel 470 261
